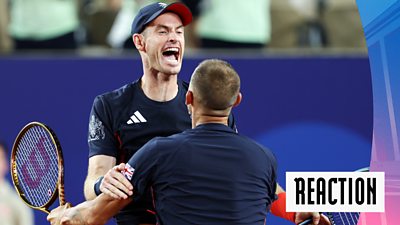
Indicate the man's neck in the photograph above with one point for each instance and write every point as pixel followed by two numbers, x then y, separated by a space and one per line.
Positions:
pixel 204 119
pixel 159 87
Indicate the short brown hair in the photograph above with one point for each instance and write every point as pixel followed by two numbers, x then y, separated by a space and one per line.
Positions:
pixel 216 84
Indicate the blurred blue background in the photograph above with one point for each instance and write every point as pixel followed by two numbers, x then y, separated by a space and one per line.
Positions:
pixel 314 112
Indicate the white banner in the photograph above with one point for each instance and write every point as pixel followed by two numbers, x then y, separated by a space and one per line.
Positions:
pixel 335 191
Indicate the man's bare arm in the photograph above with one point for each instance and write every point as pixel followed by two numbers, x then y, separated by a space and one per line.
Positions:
pixel 92 212
pixel 99 165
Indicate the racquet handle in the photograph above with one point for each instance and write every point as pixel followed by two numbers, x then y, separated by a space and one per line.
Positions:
pixel 61 194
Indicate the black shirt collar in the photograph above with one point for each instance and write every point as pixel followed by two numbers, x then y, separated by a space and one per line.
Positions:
pixel 214 127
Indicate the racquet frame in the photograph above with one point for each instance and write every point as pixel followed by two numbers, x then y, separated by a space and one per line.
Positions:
pixel 59 190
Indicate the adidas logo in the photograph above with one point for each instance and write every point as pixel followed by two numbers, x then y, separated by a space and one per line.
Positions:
pixel 136 118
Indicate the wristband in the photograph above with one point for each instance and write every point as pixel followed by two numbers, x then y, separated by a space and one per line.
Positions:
pixel 97 184
pixel 278 208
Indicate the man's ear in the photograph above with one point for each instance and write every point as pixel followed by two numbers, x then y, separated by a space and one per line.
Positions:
pixel 238 100
pixel 138 41
pixel 189 98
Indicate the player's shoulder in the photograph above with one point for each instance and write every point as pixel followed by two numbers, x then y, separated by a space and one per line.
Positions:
pixel 256 146
pixel 118 96
pixel 120 93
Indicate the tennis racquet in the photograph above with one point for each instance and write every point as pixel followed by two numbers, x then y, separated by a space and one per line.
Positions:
pixel 341 218
pixel 37 167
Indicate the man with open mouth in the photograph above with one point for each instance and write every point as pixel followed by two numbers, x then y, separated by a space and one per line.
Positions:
pixel 123 120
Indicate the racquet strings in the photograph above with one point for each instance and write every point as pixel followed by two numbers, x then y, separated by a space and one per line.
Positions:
pixel 37 166
pixel 344 218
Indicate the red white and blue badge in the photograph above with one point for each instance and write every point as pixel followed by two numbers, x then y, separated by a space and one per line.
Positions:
pixel 128 171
